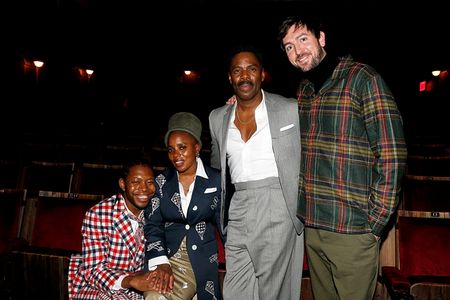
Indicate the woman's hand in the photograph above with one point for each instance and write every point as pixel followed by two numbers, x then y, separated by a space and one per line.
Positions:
pixel 163 278
pixel 141 281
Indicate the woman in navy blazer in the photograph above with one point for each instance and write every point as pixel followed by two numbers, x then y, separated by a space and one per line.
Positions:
pixel 182 218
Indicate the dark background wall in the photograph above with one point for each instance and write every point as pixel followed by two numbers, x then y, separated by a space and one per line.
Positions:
pixel 139 50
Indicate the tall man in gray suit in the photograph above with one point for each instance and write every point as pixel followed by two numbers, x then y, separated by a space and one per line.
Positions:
pixel 257 141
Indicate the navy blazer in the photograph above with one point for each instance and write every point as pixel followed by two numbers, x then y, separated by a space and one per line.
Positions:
pixel 166 226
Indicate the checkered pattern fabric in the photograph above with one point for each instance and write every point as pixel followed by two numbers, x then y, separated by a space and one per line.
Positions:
pixel 110 251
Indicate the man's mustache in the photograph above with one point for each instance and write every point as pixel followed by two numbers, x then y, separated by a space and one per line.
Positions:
pixel 245 82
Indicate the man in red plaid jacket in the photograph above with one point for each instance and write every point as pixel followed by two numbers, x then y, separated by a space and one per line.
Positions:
pixel 112 259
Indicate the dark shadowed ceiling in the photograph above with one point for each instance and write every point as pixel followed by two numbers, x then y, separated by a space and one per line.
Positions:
pixel 139 48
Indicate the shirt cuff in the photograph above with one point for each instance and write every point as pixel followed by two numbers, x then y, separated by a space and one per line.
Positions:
pixel 154 262
pixel 118 284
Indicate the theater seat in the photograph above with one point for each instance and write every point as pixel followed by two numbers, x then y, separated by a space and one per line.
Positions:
pixel 422 269
pixel 53 233
pixel 12 202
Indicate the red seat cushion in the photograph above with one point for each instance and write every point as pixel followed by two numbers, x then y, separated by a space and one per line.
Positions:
pixel 424 246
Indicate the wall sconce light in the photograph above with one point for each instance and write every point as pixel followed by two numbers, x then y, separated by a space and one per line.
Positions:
pixel 85 74
pixel 189 76
pixel 38 64
pixel 436 73
pixel 89 72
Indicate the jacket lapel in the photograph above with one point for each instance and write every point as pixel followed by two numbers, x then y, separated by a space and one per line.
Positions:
pixel 173 190
pixel 122 225
pixel 223 142
pixel 274 115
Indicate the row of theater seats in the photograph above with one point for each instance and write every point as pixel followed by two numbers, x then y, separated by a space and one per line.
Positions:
pixel 44 194
pixel 419 243
pixel 45 189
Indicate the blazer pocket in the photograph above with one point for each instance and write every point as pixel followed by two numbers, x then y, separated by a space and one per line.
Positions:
pixel 210 190
pixel 284 128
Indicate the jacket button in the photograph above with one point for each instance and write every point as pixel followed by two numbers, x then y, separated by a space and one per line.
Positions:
pixel 187 226
pixel 195 207
pixel 194 247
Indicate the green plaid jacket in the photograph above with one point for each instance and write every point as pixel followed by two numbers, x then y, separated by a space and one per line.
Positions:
pixel 353 151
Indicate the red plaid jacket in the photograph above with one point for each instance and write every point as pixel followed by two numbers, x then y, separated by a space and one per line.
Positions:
pixel 109 251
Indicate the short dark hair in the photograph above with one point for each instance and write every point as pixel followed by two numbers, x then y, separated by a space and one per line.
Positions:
pixel 135 161
pixel 245 47
pixel 312 23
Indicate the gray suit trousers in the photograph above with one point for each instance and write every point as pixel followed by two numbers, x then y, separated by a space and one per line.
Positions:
pixel 264 254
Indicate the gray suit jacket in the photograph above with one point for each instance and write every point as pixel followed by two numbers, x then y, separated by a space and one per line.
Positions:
pixel 285 131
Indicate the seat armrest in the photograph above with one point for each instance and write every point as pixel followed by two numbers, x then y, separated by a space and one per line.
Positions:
pixel 396 283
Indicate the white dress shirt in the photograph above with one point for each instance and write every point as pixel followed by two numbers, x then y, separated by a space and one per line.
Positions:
pixel 254 159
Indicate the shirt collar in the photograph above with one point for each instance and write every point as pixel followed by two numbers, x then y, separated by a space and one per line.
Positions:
pixel 129 211
pixel 201 169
